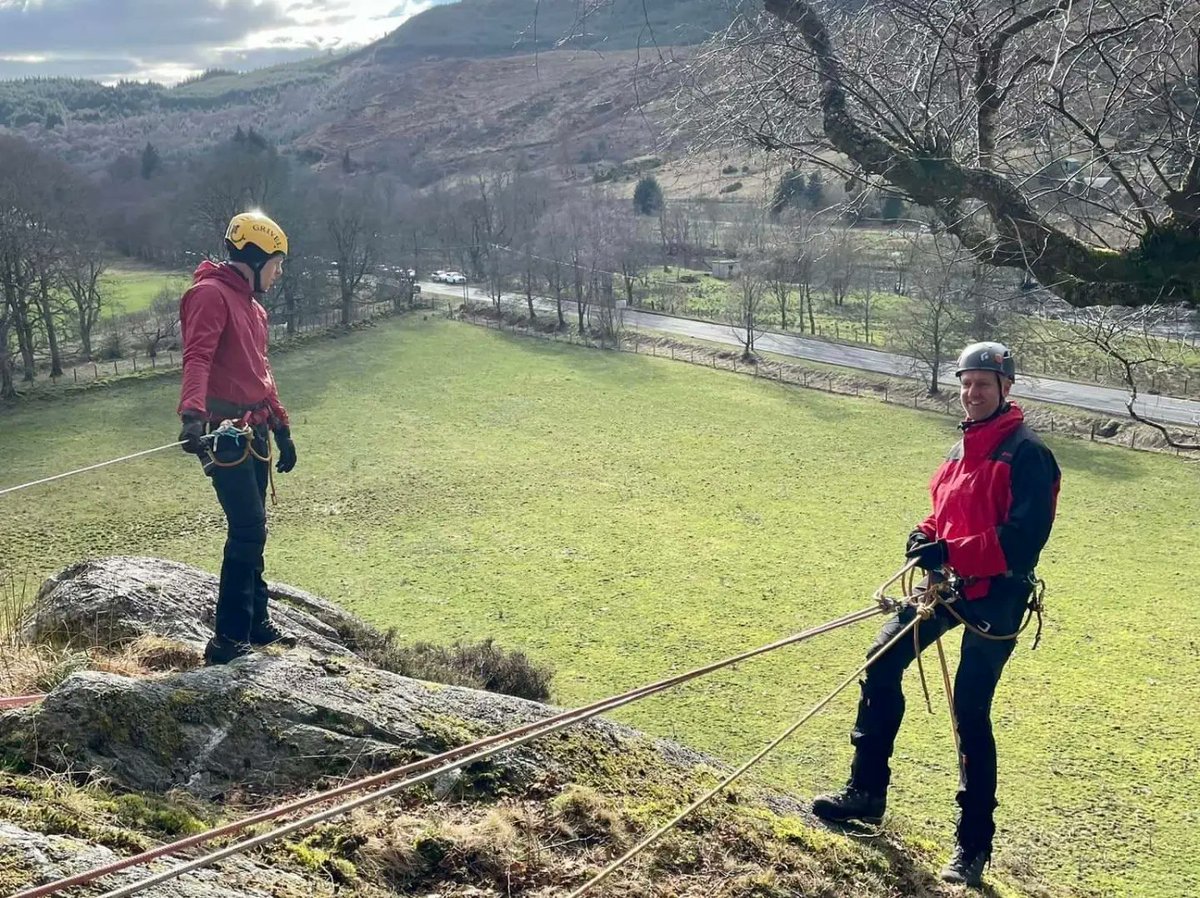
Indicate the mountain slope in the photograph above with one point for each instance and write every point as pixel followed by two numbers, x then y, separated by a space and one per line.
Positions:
pixel 477 28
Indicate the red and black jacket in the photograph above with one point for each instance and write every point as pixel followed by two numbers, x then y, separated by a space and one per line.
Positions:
pixel 994 500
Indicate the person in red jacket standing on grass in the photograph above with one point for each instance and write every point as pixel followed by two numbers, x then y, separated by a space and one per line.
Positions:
pixel 226 376
pixel 994 500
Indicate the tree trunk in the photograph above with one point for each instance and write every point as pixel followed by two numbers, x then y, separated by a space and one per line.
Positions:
pixel 25 342
pixel 7 390
pixel 812 322
pixel 56 369
pixel 85 330
pixel 347 302
pixel 580 309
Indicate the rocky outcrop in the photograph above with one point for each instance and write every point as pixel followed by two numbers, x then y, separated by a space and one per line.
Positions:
pixel 270 723
pixel 30 857
pixel 111 600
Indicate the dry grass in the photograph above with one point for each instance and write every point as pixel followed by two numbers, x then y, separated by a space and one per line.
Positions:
pixel 27 668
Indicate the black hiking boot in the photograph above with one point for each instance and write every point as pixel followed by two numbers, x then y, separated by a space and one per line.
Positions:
pixel 850 803
pixel 965 866
pixel 267 633
pixel 222 650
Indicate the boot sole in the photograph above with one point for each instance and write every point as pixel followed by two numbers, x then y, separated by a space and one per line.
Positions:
pixel 833 818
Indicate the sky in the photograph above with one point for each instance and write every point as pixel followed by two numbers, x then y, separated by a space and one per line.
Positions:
pixel 168 40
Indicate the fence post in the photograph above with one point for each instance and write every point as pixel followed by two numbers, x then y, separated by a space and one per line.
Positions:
pixel 95 371
pixel 135 364
pixel 1093 437
pixel 115 371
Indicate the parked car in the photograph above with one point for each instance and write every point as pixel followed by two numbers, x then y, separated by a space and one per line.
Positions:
pixel 438 277
pixel 455 277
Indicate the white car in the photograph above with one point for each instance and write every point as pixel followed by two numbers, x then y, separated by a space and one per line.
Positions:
pixel 455 277
pixel 438 276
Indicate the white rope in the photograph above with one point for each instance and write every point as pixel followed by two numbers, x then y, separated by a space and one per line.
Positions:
pixel 103 464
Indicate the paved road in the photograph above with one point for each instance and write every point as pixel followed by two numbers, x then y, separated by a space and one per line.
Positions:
pixel 1043 389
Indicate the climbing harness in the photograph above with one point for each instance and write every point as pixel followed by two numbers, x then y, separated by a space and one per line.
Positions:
pixel 947 587
pixel 239 432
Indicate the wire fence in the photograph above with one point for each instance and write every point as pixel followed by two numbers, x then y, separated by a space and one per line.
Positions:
pixel 907 393
pixel 139 363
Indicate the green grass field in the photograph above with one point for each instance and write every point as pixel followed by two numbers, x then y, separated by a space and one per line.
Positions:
pixel 624 518
pixel 134 289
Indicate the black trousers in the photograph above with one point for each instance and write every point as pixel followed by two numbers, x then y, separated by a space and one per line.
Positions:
pixel 242 491
pixel 881 708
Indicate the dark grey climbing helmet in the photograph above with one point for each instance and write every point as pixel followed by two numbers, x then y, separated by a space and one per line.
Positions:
pixel 987 357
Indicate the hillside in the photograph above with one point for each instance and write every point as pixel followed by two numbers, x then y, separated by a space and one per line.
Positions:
pixel 477 28
pixel 427 120
pixel 457 87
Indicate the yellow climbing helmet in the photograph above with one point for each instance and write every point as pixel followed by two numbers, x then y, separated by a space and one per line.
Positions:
pixel 250 231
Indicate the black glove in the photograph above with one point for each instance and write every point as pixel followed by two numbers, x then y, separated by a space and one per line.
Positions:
pixel 931 555
pixel 192 435
pixel 917 538
pixel 287 450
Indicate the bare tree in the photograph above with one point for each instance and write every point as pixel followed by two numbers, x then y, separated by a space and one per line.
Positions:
pixel 1054 136
pixel 928 328
pixel 157 327
pixel 839 261
pixel 353 240
pixel 550 247
pixel 245 172
pixel 80 276
pixel 745 306
pixel 780 281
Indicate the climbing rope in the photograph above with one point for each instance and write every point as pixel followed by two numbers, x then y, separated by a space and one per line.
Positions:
pixel 947 588
pixel 442 763
pixel 924 603
pixel 103 464
pixel 20 701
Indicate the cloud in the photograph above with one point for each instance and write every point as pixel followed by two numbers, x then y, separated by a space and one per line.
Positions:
pixel 100 26
pixel 168 40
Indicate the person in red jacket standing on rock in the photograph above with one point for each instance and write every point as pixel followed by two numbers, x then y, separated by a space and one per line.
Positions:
pixel 994 500
pixel 226 376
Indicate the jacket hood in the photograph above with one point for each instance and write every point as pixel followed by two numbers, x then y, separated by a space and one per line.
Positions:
pixel 223 273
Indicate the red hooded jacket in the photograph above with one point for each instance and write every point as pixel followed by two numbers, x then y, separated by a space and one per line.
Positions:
pixel 994 501
pixel 225 349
